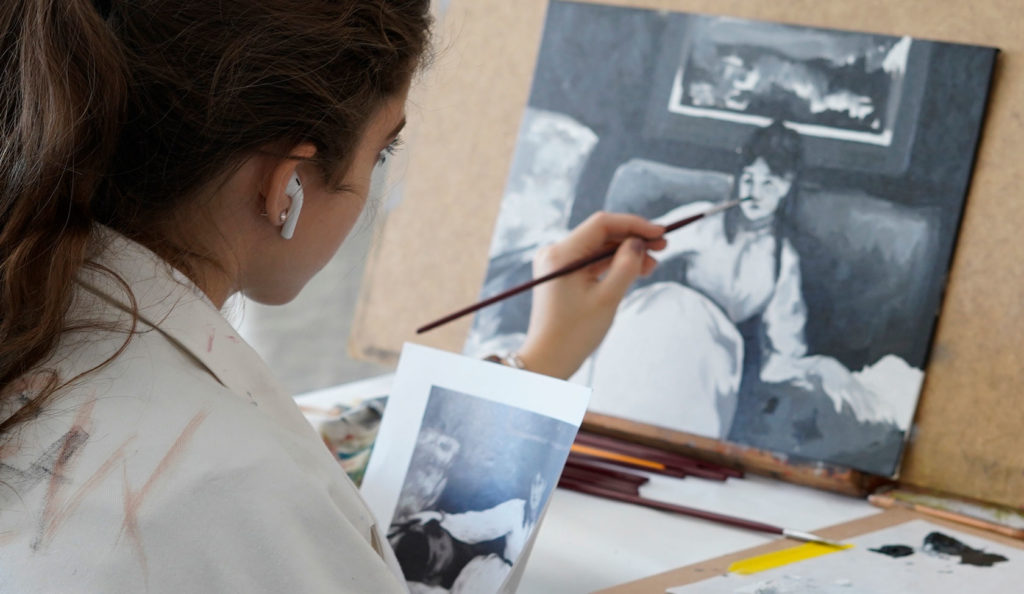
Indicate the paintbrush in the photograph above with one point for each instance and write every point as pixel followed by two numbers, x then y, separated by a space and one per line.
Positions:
pixel 625 460
pixel 691 466
pixel 567 269
pixel 600 491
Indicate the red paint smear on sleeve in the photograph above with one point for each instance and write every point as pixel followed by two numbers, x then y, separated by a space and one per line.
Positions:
pixel 134 499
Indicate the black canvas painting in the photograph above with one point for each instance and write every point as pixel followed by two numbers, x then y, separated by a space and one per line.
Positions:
pixel 800 321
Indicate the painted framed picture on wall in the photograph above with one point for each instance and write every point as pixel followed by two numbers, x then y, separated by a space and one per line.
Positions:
pixel 854 97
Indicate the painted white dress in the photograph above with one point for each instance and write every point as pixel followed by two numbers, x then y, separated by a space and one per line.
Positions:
pixel 671 338
pixel 182 466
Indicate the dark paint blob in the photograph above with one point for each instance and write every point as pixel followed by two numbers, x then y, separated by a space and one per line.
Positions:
pixel 894 551
pixel 947 545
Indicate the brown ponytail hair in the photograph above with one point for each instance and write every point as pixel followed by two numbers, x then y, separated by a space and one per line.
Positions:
pixel 119 114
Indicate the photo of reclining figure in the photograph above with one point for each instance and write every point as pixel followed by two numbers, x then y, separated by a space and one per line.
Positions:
pixel 480 476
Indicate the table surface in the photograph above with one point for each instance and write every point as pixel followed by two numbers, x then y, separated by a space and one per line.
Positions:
pixel 587 543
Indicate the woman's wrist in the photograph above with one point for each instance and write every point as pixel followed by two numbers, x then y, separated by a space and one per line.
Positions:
pixel 550 358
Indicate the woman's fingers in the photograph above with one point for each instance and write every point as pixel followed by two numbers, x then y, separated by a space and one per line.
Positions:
pixel 598 269
pixel 656 245
pixel 627 265
pixel 602 228
pixel 649 265
pixel 598 233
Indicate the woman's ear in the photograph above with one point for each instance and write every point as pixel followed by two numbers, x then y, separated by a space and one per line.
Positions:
pixel 274 197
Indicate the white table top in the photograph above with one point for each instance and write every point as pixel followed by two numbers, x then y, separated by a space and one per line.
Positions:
pixel 588 543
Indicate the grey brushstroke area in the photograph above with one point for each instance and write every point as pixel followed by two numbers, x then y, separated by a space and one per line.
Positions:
pixel 873 230
pixel 535 211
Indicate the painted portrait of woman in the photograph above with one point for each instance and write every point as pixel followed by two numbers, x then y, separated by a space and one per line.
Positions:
pixel 737 308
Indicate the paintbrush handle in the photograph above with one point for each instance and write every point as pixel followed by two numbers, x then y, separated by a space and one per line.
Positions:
pixel 691 466
pixel 567 269
pixel 671 507
pixel 519 289
pixel 575 461
pixel 713 210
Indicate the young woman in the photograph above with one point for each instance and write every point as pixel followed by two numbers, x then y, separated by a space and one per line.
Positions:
pixel 158 157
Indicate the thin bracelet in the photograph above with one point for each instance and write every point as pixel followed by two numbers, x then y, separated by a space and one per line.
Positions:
pixel 514 360
pixel 510 360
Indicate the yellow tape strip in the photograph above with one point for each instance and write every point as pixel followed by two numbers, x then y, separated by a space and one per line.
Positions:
pixel 784 557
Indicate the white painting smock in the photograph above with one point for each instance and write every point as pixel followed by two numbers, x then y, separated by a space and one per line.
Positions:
pixel 181 466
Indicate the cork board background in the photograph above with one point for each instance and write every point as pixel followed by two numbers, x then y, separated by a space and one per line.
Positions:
pixel 430 256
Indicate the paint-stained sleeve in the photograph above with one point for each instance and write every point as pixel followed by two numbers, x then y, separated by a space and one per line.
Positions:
pixel 479 526
pixel 784 320
pixel 257 526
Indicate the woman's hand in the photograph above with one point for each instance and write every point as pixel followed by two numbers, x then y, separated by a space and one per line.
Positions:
pixel 571 314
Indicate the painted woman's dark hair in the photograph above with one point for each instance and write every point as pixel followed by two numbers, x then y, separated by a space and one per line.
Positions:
pixel 782 150
pixel 779 146
pixel 118 112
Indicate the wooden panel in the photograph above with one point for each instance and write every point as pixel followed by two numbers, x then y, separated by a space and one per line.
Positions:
pixel 431 254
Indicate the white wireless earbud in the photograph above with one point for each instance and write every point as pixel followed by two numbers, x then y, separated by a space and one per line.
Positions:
pixel 294 191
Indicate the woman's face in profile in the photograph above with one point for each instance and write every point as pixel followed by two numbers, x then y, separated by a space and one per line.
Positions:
pixel 765 188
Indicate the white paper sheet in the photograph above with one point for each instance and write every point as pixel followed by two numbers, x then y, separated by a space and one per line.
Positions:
pixel 862 571
pixel 467 456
